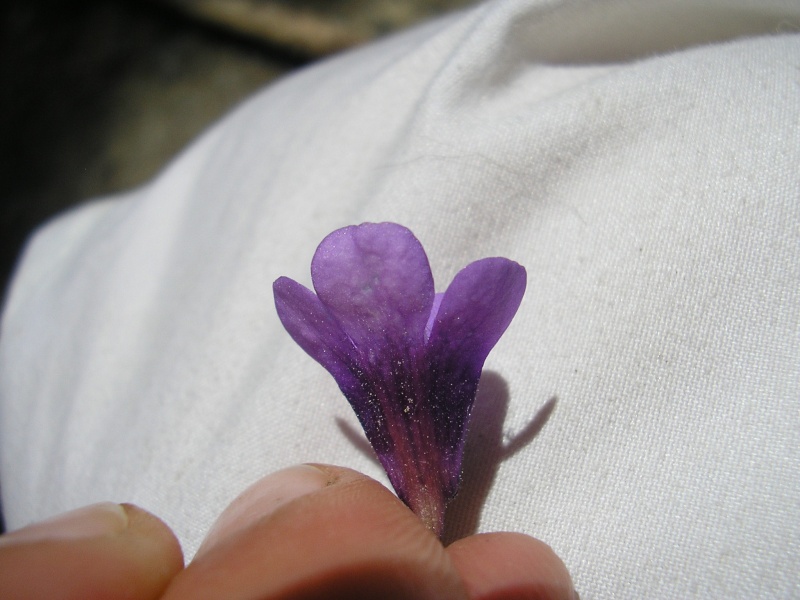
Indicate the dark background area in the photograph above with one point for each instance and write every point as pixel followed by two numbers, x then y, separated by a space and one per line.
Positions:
pixel 97 96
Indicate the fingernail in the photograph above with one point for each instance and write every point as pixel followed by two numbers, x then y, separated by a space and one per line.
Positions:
pixel 263 498
pixel 105 518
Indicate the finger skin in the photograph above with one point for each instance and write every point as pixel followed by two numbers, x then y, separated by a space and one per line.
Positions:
pixel 510 566
pixel 136 564
pixel 352 539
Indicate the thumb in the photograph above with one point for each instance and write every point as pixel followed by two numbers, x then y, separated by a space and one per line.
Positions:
pixel 101 551
pixel 318 532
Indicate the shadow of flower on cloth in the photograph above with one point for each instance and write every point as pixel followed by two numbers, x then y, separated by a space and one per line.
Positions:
pixel 484 451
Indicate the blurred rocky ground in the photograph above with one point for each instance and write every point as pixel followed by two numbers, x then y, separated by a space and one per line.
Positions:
pixel 98 95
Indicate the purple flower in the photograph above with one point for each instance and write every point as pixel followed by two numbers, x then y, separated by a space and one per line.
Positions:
pixel 407 359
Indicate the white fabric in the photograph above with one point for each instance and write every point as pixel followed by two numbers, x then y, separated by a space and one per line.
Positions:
pixel 641 159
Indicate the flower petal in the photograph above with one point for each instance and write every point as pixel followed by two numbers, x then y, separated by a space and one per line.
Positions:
pixel 315 330
pixel 375 278
pixel 476 309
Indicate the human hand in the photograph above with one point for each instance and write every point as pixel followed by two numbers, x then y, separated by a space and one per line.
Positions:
pixel 305 532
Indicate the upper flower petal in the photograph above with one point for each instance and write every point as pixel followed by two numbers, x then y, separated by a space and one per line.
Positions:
pixel 375 278
pixel 474 312
pixel 315 330
pixel 477 308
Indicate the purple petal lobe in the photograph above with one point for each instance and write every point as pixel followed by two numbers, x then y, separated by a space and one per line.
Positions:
pixel 477 308
pixel 376 279
pixel 315 330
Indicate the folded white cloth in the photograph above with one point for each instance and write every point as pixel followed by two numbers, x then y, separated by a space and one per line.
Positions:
pixel 641 414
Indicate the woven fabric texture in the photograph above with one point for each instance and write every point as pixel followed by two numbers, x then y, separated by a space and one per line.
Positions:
pixel 641 414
